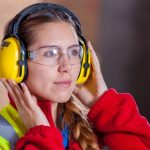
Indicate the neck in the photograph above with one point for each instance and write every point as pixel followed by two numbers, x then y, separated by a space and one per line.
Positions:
pixel 53 107
pixel 54 111
pixel 49 108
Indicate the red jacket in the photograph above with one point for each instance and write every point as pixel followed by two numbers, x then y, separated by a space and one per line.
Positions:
pixel 115 115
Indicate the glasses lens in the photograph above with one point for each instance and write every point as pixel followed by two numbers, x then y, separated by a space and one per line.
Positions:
pixel 45 56
pixel 75 55
pixel 52 56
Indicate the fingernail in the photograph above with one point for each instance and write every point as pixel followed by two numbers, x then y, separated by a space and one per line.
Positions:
pixel 22 84
pixel 3 79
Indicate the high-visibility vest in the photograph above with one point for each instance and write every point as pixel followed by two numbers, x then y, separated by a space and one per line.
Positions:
pixel 11 128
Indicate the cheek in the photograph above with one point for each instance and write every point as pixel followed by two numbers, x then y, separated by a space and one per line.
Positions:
pixel 76 71
pixel 40 82
pixel 38 78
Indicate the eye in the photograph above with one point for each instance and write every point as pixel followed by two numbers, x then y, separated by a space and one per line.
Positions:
pixel 51 53
pixel 74 52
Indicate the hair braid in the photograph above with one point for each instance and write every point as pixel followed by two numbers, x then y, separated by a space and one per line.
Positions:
pixel 80 129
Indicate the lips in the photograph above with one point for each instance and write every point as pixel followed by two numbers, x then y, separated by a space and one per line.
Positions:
pixel 64 83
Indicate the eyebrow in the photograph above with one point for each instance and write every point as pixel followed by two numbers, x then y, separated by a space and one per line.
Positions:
pixel 58 47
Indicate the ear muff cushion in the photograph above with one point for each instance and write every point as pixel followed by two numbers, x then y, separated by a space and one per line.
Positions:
pixel 85 70
pixel 9 60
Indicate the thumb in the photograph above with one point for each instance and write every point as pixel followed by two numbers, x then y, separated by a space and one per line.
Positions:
pixel 34 99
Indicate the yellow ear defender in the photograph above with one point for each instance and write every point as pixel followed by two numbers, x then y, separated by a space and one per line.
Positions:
pixel 13 57
pixel 12 60
pixel 85 64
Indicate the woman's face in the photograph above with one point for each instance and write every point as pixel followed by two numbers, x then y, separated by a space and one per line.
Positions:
pixel 54 82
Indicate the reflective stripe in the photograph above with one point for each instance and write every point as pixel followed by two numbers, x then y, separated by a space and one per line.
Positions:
pixel 4 144
pixel 7 131
pixel 12 116
pixel 11 128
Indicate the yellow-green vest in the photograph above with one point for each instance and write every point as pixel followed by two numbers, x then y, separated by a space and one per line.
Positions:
pixel 11 128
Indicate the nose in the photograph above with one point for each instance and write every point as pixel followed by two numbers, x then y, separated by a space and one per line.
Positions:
pixel 64 64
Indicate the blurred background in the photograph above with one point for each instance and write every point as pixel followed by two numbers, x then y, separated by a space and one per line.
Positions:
pixel 119 31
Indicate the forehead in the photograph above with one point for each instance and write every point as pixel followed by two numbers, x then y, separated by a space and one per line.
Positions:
pixel 54 33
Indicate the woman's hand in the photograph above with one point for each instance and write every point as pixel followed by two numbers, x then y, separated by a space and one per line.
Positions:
pixel 29 111
pixel 4 99
pixel 95 86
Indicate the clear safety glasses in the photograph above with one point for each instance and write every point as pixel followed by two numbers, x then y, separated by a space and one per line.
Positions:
pixel 51 55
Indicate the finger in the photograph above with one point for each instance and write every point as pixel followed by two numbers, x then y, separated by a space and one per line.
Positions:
pixel 16 88
pixel 8 87
pixel 11 91
pixel 92 51
pixel 34 98
pixel 4 99
pixel 3 88
pixel 95 62
pixel 28 97
pixel 17 94
pixel 20 101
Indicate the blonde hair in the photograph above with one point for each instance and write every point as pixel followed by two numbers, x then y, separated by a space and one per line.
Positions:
pixel 80 130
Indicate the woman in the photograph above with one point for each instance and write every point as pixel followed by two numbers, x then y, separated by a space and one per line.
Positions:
pixel 42 112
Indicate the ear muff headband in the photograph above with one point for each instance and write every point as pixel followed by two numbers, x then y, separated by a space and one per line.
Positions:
pixel 37 7
pixel 13 33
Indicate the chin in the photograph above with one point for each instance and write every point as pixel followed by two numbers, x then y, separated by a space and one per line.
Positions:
pixel 62 98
